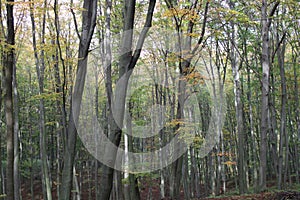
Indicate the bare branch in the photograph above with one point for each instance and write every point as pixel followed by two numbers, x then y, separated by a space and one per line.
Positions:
pixel 278 45
pixel 272 12
pixel 203 28
pixel 74 19
pixel 141 40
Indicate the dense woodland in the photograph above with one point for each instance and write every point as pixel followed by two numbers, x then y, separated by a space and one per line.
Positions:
pixel 239 60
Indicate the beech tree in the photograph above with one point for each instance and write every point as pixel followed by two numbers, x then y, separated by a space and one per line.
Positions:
pixel 88 26
pixel 127 63
pixel 8 68
pixel 265 62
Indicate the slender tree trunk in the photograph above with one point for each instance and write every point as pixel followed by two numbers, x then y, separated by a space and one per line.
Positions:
pixel 239 113
pixel 2 56
pixel 127 62
pixel 281 162
pixel 8 65
pixel 265 96
pixel 40 68
pixel 273 126
pixel 76 185
pixel 16 138
pixel 186 178
pixel 297 148
pixel 1 166
pixel 265 62
pixel 88 25
pixel 254 146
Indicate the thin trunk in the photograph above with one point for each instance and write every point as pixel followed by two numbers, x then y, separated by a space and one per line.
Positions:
pixel 127 62
pixel 16 137
pixel 297 148
pixel 76 185
pixel 186 179
pixel 40 68
pixel 253 136
pixel 8 65
pixel 281 162
pixel 265 96
pixel 31 151
pixel 273 126
pixel 1 179
pixel 239 114
pixel 2 35
pixel 1 158
pixel 88 25
pixel 265 62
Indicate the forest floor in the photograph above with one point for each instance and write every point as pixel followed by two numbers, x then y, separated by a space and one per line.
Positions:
pixel 271 194
pixel 283 195
pixel 152 191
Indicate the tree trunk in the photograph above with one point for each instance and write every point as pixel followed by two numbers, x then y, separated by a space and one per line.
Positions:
pixel 281 162
pixel 297 148
pixel 8 65
pixel 40 68
pixel 1 158
pixel 238 111
pixel 127 62
pixel 88 25
pixel 265 62
pixel 16 137
pixel 265 96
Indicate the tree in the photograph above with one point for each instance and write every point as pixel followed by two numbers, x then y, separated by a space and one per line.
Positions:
pixel 88 26
pixel 40 70
pixel 8 65
pixel 265 62
pixel 127 63
pixel 238 107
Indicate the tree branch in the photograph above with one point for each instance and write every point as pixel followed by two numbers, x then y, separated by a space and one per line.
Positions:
pixel 141 40
pixel 272 12
pixel 278 45
pixel 203 28
pixel 74 19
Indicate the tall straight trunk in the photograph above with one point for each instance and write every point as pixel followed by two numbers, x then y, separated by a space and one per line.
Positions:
pixel 238 112
pixel 133 184
pixel 40 68
pixel 61 125
pixel 186 177
pixel 265 62
pixel 2 56
pixel 253 136
pixel 185 47
pixel 265 97
pixel 281 161
pixel 8 65
pixel 273 126
pixel 31 151
pixel 127 62
pixel 1 166
pixel 297 148
pixel 88 25
pixel 16 137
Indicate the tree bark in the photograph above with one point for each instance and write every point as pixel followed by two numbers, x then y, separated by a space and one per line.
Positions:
pixel 9 64
pixel 265 62
pixel 265 96
pixel 16 137
pixel 88 25
pixel 40 68
pixel 127 62
pixel 281 162
pixel 238 110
